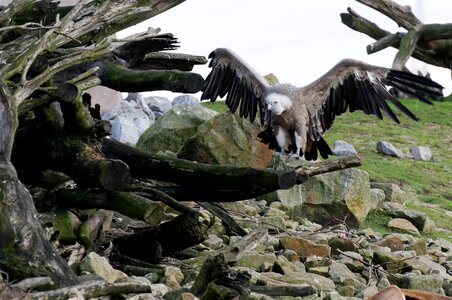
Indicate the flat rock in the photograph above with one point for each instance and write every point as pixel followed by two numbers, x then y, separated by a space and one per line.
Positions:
pixel 419 219
pixel 303 247
pixel 404 225
pixel 315 280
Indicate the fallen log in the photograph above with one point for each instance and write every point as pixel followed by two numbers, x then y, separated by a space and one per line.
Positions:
pixel 128 204
pixel 126 80
pixel 219 183
pixel 93 289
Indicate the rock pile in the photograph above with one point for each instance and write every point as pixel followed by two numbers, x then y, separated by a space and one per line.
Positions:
pixel 289 257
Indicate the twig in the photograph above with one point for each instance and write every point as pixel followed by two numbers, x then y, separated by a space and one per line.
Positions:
pixel 32 283
pixel 27 26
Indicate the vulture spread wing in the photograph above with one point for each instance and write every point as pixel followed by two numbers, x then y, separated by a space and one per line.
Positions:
pixel 244 86
pixel 354 85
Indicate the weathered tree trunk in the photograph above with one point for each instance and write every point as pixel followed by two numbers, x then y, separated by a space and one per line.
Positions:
pixel 24 251
pixel 33 58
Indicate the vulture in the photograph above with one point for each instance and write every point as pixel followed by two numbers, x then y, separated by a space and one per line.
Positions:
pixel 294 119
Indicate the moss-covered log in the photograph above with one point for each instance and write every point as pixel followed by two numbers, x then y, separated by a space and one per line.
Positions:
pixel 110 174
pixel 125 203
pixel 196 176
pixel 219 183
pixel 125 80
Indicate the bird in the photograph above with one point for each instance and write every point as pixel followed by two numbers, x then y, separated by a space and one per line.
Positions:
pixel 294 119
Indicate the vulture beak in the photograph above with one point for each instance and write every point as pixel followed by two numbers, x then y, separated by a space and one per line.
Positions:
pixel 269 107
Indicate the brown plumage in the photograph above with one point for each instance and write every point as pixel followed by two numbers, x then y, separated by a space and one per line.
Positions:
pixel 295 119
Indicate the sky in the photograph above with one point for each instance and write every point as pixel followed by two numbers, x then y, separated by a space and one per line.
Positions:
pixel 297 40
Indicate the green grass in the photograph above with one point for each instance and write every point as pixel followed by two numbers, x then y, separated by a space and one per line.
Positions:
pixel 431 181
pixel 218 106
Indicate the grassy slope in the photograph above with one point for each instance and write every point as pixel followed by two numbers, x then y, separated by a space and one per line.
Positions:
pixel 431 181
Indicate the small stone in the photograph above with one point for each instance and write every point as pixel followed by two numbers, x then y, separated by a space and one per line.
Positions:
pixel 421 153
pixel 367 292
pixel 257 261
pixel 317 281
pixel 159 290
pixel 388 149
pixel 337 243
pixel 393 192
pixel 429 283
pixel 303 247
pixel 393 242
pixel 215 291
pixel 213 242
pixel 152 277
pixel 419 219
pixel 342 148
pixel 404 225
pixel 283 265
pixel 377 197
pixel 96 264
pixel 320 271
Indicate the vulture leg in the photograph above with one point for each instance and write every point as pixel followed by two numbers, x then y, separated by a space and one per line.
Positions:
pixel 281 136
pixel 300 143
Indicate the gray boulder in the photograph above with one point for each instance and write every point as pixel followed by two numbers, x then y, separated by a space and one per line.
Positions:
pixel 342 148
pixel 339 195
pixel 173 129
pixel 185 100
pixel 421 153
pixel 393 192
pixel 129 119
pixel 388 149
pixel 158 105
pixel 227 139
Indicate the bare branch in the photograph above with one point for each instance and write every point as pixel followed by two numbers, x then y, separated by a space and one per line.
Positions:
pixel 400 14
pixel 28 26
pixel 406 49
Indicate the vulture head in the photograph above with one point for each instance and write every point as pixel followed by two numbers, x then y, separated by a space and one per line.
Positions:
pixel 294 119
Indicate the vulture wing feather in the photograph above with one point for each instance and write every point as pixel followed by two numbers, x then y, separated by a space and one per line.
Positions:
pixel 360 86
pixel 245 87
